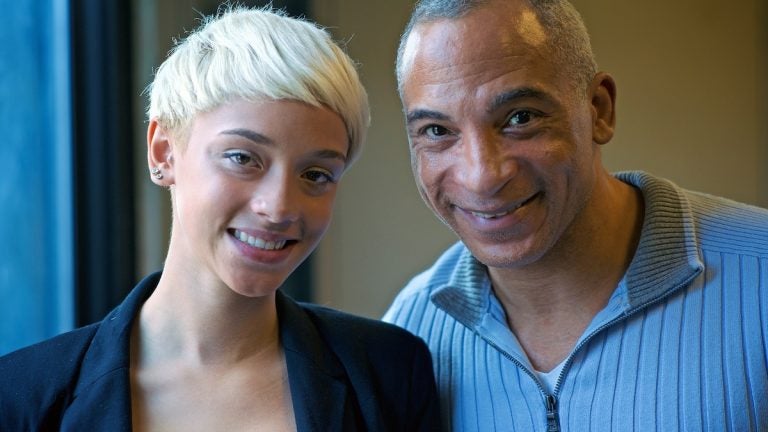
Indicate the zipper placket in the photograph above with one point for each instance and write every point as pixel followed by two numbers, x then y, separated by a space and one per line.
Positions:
pixel 553 420
pixel 550 400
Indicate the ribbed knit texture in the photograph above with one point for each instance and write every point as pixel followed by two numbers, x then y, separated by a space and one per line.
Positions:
pixel 681 346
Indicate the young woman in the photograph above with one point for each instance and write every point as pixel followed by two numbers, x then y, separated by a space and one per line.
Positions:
pixel 253 120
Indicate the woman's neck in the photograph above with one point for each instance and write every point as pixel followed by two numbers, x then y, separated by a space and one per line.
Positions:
pixel 200 321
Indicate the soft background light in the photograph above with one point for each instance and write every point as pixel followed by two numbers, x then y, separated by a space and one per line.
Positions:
pixel 692 107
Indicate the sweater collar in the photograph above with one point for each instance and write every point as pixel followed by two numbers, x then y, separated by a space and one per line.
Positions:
pixel 666 258
pixel 667 255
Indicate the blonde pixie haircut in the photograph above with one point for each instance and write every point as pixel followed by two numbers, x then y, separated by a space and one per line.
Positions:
pixel 257 55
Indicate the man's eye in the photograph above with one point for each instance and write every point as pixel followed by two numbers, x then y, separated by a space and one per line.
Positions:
pixel 435 131
pixel 520 118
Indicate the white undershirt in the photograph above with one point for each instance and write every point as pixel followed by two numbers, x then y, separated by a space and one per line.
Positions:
pixel 549 379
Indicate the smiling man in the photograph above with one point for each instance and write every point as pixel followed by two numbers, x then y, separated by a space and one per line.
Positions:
pixel 575 299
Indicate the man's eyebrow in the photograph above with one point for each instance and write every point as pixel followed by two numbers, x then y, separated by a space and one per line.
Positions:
pixel 421 114
pixel 248 134
pixel 517 94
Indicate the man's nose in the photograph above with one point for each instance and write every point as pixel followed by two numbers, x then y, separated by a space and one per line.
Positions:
pixel 486 165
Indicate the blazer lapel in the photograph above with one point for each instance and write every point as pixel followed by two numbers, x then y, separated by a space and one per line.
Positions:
pixel 320 389
pixel 102 396
pixel 318 382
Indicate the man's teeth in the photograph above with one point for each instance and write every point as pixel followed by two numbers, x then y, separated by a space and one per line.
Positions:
pixel 500 214
pixel 259 243
pixel 489 215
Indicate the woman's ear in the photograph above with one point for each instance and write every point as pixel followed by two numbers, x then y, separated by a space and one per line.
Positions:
pixel 159 154
pixel 603 99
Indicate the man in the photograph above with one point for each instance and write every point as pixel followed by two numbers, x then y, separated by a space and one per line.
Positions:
pixel 576 300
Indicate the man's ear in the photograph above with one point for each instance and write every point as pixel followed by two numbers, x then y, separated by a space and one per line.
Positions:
pixel 602 94
pixel 160 154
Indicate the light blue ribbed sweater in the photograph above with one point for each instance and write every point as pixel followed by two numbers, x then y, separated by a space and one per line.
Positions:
pixel 681 345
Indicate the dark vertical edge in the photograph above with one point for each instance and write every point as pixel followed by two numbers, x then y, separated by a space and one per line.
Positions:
pixel 102 134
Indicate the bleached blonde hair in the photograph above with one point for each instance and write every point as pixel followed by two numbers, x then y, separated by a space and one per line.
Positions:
pixel 256 55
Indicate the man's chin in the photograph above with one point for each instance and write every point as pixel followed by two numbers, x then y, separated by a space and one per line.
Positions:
pixel 510 253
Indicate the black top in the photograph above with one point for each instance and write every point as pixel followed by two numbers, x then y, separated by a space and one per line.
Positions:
pixel 346 373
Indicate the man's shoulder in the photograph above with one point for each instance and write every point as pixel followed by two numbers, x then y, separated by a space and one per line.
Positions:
pixel 726 209
pixel 715 223
pixel 729 226
pixel 39 379
pixel 437 275
pixel 413 306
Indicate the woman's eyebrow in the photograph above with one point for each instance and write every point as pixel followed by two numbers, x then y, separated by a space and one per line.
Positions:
pixel 248 134
pixel 330 154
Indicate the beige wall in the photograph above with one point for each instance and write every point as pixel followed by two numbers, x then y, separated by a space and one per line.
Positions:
pixel 691 103
pixel 692 107
pixel 382 233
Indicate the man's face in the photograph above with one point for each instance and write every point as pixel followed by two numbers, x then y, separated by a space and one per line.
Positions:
pixel 501 139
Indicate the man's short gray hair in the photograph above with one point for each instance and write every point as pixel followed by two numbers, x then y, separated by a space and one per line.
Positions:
pixel 256 55
pixel 567 35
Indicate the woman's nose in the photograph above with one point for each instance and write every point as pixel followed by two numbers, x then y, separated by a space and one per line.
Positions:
pixel 276 199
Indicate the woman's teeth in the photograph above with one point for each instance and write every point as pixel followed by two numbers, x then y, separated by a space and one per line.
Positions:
pixel 259 243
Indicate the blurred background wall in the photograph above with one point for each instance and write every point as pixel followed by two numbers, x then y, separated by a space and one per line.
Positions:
pixel 692 107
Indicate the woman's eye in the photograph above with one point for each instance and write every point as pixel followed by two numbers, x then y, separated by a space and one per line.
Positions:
pixel 239 158
pixel 319 176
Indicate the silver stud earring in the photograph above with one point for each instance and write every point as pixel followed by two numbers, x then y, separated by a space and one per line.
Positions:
pixel 156 173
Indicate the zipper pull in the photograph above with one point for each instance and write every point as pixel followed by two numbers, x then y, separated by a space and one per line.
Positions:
pixel 553 422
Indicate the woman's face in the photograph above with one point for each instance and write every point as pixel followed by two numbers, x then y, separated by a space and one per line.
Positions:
pixel 253 191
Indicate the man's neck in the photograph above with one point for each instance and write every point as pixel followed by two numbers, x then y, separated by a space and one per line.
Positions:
pixel 549 304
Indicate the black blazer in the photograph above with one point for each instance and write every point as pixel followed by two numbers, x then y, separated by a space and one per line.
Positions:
pixel 345 373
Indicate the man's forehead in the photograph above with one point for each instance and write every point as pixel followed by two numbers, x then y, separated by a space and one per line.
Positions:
pixel 486 31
